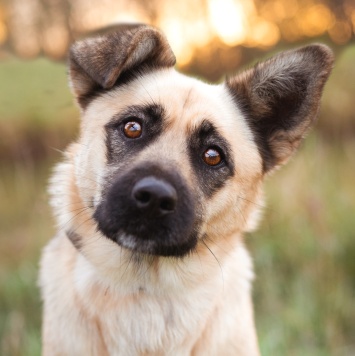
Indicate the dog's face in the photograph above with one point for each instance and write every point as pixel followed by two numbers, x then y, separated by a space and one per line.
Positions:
pixel 173 155
pixel 165 162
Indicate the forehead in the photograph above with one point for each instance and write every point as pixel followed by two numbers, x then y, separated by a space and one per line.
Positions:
pixel 187 102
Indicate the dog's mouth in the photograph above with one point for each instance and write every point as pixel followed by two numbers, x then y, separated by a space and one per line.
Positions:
pixel 156 247
pixel 149 213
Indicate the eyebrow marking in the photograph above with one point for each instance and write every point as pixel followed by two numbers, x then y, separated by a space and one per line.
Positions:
pixel 187 99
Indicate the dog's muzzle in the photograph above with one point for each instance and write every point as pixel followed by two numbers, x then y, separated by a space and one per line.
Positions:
pixel 149 210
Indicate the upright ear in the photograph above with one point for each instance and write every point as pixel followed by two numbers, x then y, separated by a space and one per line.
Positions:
pixel 280 99
pixel 97 64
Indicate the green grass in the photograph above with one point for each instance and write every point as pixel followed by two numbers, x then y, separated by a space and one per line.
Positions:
pixel 25 225
pixel 35 91
pixel 305 255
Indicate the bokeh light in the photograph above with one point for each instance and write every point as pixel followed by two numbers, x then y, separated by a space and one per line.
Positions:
pixel 32 27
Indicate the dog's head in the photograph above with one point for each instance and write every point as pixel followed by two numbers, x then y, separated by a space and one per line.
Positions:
pixel 165 162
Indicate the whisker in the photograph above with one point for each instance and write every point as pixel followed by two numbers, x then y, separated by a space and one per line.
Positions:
pixel 129 261
pixel 84 210
pixel 204 242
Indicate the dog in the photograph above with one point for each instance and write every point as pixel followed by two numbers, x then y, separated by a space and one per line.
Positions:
pixel 153 198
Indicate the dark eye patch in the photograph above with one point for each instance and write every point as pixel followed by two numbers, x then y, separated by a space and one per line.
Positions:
pixel 210 178
pixel 120 148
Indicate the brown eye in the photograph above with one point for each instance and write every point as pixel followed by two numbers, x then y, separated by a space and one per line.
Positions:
pixel 212 157
pixel 132 129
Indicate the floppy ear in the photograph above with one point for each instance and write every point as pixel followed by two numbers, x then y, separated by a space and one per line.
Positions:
pixel 97 64
pixel 280 99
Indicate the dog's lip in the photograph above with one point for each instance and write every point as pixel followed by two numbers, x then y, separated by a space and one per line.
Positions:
pixel 132 242
pixel 152 247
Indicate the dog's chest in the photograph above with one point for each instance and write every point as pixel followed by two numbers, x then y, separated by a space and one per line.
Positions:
pixel 142 323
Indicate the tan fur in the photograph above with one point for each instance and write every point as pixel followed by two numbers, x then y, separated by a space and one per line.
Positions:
pixel 103 299
pixel 189 315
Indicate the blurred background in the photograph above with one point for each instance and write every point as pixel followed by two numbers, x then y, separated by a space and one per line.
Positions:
pixel 304 250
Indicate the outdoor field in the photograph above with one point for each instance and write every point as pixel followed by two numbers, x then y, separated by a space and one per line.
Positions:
pixel 303 250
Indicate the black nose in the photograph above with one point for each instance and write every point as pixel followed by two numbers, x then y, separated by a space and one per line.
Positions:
pixel 154 196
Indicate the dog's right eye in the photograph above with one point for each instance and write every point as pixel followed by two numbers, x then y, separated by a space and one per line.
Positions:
pixel 212 157
pixel 132 129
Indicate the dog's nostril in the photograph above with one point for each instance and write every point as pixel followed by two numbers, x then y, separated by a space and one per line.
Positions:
pixel 167 204
pixel 154 197
pixel 142 196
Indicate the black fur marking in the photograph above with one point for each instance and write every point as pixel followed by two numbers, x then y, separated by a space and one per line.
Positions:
pixel 122 149
pixel 120 220
pixel 75 238
pixel 210 178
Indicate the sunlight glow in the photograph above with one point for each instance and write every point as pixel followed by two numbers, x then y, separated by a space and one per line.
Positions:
pixel 129 17
pixel 179 41
pixel 195 27
pixel 3 32
pixel 54 41
pixel 229 20
pixel 316 20
pixel 340 33
pixel 352 17
pixel 264 34
pixel 278 10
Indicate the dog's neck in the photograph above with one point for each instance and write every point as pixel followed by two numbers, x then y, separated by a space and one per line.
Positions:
pixel 161 278
pixel 134 274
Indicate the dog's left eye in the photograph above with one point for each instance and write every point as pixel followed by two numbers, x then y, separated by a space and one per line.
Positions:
pixel 132 129
pixel 212 156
